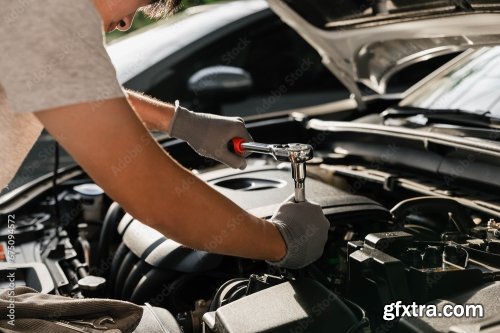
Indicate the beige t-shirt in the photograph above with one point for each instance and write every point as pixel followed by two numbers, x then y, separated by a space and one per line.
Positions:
pixel 51 55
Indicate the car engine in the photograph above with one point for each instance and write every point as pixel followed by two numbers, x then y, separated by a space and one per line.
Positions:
pixel 389 241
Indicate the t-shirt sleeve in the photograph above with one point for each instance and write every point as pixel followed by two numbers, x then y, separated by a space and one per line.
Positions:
pixel 52 55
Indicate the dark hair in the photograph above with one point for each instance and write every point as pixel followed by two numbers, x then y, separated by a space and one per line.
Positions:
pixel 161 8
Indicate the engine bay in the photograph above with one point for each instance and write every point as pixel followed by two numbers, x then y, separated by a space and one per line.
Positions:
pixel 395 235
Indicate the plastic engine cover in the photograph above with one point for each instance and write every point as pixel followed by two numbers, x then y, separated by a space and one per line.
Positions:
pixel 297 306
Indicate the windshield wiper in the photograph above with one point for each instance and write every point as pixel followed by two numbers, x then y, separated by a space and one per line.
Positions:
pixel 449 116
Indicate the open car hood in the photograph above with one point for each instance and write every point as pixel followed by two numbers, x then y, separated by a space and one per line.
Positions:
pixel 365 42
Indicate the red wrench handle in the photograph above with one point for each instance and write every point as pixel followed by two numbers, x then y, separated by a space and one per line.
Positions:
pixel 235 146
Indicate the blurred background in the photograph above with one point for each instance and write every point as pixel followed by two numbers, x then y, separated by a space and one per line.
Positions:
pixel 141 20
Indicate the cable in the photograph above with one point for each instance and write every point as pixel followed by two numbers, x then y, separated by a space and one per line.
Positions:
pixel 363 322
pixel 57 209
pixel 54 185
pixel 213 305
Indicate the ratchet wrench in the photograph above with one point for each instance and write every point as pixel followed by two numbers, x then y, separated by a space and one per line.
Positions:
pixel 296 153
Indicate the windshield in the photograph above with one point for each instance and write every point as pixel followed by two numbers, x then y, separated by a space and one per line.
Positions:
pixel 471 85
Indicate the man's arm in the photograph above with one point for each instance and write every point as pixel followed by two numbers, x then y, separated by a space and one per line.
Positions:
pixel 112 145
pixel 156 115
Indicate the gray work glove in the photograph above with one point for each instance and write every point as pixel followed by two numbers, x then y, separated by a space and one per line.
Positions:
pixel 209 134
pixel 304 228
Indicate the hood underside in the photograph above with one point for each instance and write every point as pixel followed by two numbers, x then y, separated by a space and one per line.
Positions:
pixel 366 48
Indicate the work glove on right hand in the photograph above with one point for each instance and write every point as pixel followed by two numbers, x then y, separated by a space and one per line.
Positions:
pixel 209 134
pixel 304 228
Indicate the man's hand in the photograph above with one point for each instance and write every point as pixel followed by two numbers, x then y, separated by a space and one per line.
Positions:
pixel 304 228
pixel 209 134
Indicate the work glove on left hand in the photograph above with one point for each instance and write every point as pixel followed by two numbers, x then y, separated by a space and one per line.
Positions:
pixel 304 229
pixel 209 134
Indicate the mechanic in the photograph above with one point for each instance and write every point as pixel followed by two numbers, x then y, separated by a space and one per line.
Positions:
pixel 55 73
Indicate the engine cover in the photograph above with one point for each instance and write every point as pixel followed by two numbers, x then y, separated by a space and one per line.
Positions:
pixel 262 190
pixel 296 306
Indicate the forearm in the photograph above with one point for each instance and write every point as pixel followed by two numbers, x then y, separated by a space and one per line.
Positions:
pixel 185 208
pixel 155 114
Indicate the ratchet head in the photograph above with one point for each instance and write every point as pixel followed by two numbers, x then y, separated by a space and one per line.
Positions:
pixel 293 152
pixel 296 153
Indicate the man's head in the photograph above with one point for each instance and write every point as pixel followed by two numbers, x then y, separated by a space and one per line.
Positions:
pixel 120 13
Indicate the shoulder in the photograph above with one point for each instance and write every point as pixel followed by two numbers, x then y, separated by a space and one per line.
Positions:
pixel 71 17
pixel 54 55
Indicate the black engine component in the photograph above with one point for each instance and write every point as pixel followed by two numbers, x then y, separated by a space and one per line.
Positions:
pixel 391 267
pixel 434 205
pixel 303 305
pixel 445 249
pixel 486 295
